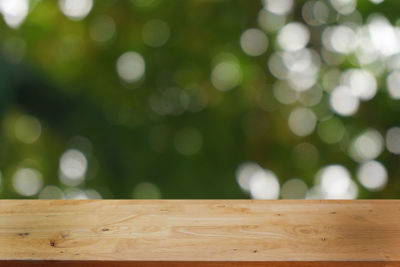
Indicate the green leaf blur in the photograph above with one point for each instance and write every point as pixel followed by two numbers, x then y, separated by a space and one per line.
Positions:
pixel 199 99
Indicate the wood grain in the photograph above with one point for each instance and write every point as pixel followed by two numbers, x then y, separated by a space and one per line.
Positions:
pixel 199 233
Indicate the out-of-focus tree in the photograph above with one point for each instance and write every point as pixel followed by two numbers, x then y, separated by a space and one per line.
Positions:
pixel 199 99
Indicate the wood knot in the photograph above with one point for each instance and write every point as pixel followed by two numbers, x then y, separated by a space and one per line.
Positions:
pixel 305 231
pixel 323 239
pixel 105 229
pixel 52 243
pixel 23 234
pixel 255 251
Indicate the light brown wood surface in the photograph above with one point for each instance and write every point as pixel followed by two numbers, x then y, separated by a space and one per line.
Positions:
pixel 190 232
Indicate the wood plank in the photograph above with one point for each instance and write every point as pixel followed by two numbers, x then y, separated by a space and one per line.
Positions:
pixel 199 232
pixel 72 263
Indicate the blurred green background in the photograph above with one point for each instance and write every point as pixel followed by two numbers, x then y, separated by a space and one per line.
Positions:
pixel 200 99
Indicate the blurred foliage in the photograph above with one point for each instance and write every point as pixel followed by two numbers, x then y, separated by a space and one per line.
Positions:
pixel 172 133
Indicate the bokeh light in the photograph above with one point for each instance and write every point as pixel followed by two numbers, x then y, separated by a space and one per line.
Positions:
pixel 188 141
pixel 344 7
pixel 367 146
pixel 93 194
pixel 331 130
pixel 146 190
pixel 336 183
pixel 294 189
pixel 51 192
pixel 102 28
pixel 73 167
pixel 343 101
pixel 280 7
pixel 302 121
pixel 293 36
pixel 340 39
pixel 393 140
pixel 27 129
pixel 74 193
pixel 254 42
pixel 315 13
pixel 131 66
pixel 393 84
pixel 270 22
pixel 284 94
pixel 14 11
pixel 244 173
pixel 27 181
pixel 264 184
pixel 362 83
pixel 226 75
pixel 76 9
pixel 155 33
pixel 372 175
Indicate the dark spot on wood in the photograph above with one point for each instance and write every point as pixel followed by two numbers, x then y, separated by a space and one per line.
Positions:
pixel 61 251
pixel 333 212
pixel 235 249
pixel 23 234
pixel 250 227
pixel 359 218
pixel 105 229
pixel 370 210
pixel 52 243
pixel 77 254
pixel 255 251
pixel 246 210
pixel 278 214
pixel 323 239
pixel 305 231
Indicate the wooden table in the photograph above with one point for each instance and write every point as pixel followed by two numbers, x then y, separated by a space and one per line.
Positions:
pixel 199 233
